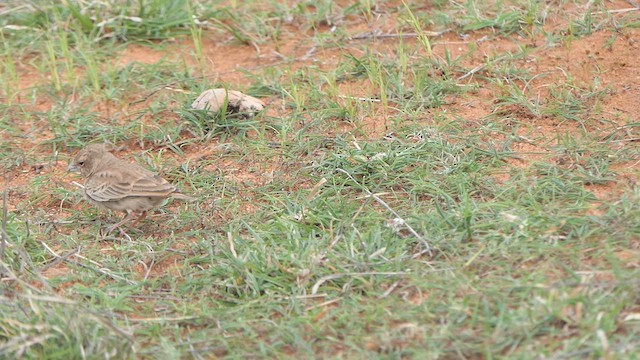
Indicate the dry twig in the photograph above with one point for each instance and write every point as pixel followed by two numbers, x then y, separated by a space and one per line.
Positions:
pixel 386 206
pixel 324 279
pixel 100 270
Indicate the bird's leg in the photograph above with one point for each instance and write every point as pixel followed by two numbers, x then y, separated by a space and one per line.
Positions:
pixel 140 218
pixel 127 218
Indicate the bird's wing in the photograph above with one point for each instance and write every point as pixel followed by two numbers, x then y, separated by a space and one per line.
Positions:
pixel 149 184
pixel 132 180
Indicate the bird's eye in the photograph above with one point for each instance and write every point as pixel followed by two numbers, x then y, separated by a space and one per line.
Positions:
pixel 80 163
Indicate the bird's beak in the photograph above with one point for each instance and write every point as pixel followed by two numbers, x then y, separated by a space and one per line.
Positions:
pixel 72 168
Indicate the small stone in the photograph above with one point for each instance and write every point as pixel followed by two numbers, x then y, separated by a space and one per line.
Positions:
pixel 237 102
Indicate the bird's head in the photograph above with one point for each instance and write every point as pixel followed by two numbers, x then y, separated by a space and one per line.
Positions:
pixel 87 159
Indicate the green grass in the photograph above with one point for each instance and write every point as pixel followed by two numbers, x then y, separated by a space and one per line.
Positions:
pixel 409 196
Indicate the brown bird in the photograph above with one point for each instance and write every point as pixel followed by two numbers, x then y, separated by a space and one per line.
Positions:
pixel 118 185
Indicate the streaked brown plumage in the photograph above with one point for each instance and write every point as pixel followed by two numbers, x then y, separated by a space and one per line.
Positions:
pixel 118 185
